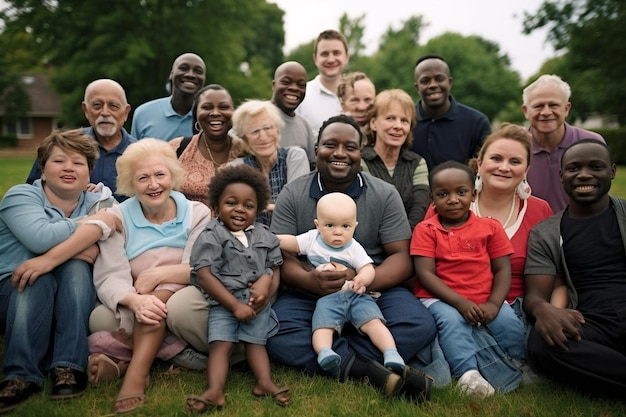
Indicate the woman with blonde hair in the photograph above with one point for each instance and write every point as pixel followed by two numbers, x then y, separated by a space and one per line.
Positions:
pixel 387 153
pixel 258 123
pixel 141 267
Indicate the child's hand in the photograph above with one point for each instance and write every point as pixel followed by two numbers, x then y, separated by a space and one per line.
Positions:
pixel 470 311
pixel 490 311
pixel 244 313
pixel 259 292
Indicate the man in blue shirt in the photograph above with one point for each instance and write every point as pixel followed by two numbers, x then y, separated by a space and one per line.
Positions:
pixel 106 109
pixel 446 129
pixel 170 117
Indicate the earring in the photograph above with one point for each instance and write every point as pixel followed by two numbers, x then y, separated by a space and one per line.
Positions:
pixel 478 183
pixel 198 128
pixel 523 190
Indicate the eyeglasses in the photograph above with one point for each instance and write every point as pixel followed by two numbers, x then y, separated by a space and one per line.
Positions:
pixel 256 133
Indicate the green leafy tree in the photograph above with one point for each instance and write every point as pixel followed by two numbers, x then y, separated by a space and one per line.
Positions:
pixel 353 30
pixel 482 74
pixel 393 63
pixel 591 36
pixel 135 43
pixel 14 101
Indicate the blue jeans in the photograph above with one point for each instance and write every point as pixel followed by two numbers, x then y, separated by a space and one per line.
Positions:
pixel 47 323
pixel 410 323
pixel 457 341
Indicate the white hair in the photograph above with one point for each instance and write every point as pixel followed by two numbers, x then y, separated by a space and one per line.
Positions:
pixel 547 81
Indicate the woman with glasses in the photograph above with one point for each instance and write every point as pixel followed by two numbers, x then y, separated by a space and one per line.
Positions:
pixel 258 123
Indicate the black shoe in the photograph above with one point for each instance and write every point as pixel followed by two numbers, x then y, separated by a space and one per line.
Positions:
pixel 67 383
pixel 416 385
pixel 13 392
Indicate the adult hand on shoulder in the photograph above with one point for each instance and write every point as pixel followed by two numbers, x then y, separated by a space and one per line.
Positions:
pixel 148 309
pixel 558 326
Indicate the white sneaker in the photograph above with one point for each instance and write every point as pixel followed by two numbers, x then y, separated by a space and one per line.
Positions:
pixel 473 383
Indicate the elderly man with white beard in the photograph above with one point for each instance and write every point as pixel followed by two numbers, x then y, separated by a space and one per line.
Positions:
pixel 106 109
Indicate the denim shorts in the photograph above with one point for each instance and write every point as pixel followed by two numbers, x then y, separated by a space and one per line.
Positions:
pixel 334 310
pixel 224 326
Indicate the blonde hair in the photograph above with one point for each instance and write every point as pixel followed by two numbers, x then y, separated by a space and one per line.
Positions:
pixel 383 100
pixel 142 149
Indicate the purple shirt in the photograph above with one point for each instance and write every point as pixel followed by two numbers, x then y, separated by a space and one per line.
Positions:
pixel 545 167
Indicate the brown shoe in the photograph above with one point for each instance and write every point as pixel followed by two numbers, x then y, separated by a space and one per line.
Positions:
pixel 67 383
pixel 13 392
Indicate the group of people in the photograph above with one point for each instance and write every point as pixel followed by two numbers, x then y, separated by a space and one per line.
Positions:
pixel 251 213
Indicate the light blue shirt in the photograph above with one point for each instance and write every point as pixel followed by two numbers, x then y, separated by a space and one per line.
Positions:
pixel 141 235
pixel 157 119
pixel 30 225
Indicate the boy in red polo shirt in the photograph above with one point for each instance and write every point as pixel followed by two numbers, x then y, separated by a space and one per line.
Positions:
pixel 464 274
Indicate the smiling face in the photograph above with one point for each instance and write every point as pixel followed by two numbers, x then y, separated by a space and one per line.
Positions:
pixel 65 173
pixel 152 182
pixel 452 193
pixel 586 173
pixel 338 155
pixel 237 206
pixel 546 110
pixel 262 135
pixel 330 57
pixel 433 83
pixel 188 74
pixel 214 113
pixel 105 108
pixel 503 165
pixel 289 86
pixel 358 100
pixel 392 126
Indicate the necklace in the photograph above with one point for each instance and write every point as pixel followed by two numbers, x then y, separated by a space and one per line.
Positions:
pixel 508 219
pixel 206 144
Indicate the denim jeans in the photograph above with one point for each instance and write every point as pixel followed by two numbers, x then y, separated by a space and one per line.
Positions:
pixel 410 323
pixel 457 341
pixel 47 323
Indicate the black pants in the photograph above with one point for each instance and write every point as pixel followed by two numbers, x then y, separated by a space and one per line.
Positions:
pixel 596 365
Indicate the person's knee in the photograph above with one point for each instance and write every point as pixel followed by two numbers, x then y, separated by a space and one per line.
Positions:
pixel 103 319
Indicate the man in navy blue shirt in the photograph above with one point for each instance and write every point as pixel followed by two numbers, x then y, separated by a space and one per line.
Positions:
pixel 106 109
pixel 446 129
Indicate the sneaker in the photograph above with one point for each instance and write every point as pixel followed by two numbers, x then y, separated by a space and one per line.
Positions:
pixel 190 359
pixel 67 383
pixel 473 383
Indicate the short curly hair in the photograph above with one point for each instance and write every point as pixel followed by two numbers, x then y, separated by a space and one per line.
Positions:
pixel 239 174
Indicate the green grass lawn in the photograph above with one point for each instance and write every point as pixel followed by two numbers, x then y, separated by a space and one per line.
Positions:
pixel 311 396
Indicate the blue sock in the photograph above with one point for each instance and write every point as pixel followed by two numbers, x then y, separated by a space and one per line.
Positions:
pixel 393 360
pixel 328 359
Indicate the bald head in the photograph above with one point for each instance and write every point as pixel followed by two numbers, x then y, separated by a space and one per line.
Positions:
pixel 108 85
pixel 291 67
pixel 188 56
pixel 339 203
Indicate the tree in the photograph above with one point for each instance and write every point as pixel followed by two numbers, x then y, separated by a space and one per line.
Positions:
pixel 591 35
pixel 481 73
pixel 393 63
pixel 135 43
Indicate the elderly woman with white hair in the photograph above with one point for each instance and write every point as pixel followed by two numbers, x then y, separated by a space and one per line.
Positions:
pixel 141 267
pixel 258 123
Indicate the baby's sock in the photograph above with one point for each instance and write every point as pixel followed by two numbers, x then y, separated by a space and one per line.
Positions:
pixel 328 359
pixel 393 360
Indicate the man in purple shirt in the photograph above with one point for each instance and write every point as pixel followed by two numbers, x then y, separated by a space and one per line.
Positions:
pixel 546 106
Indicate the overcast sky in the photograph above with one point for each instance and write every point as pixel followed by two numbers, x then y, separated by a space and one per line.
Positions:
pixel 499 21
